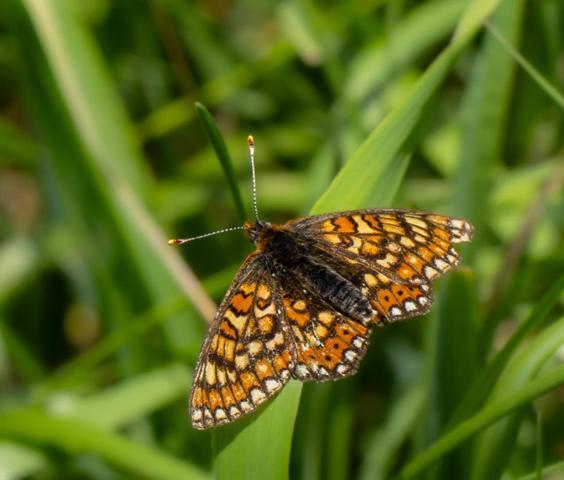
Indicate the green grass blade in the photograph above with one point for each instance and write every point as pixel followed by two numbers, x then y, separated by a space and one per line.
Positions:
pixel 222 155
pixel 482 419
pixel 542 82
pixel 539 456
pixel 547 472
pixel 78 437
pixel 79 70
pixel 454 341
pixel 20 461
pixel 134 398
pixel 478 392
pixel 494 447
pixel 82 366
pixel 259 446
pixel 483 125
pixel 420 29
pixel 368 163
pixel 383 447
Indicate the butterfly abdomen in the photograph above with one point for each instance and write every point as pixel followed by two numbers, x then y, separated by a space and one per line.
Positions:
pixel 336 290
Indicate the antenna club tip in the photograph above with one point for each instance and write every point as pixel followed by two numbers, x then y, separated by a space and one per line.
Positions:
pixel 251 141
pixel 173 241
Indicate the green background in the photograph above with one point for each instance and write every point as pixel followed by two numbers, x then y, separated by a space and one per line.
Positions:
pixel 113 116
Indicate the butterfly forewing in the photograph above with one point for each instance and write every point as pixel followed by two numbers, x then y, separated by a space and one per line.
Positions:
pixel 246 358
pixel 405 246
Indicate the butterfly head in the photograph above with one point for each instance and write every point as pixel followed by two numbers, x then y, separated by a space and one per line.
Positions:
pixel 254 229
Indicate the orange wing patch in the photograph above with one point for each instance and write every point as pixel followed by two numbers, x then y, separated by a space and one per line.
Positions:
pixel 395 301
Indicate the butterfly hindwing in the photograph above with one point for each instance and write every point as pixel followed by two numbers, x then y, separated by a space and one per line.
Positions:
pixel 328 344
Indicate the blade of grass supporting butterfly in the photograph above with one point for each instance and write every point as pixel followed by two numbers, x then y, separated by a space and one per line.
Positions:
pixel 353 187
pixel 76 436
pixel 492 412
pixel 494 446
pixel 258 446
pixel 234 459
pixel 223 156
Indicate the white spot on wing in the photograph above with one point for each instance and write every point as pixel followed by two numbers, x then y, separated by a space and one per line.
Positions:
pixel 441 264
pixel 350 355
pixel 410 306
pixel 257 395
pixel 272 385
pixel 302 371
pixel 358 342
pixel 430 272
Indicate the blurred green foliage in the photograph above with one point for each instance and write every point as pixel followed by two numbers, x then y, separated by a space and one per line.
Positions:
pixel 104 155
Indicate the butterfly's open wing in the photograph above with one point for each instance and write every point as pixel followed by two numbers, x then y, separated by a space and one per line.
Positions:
pixel 391 255
pixel 245 359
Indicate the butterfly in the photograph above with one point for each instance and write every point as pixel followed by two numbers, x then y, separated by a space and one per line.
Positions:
pixel 304 302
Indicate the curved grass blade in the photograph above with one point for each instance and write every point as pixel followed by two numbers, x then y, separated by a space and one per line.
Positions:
pixel 222 155
pixel 76 436
pixel 547 472
pixel 478 392
pixel 385 444
pixel 542 82
pixel 482 419
pixel 495 446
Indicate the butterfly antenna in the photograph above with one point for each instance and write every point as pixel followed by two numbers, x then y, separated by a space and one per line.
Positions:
pixel 182 241
pixel 251 143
